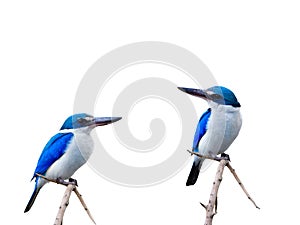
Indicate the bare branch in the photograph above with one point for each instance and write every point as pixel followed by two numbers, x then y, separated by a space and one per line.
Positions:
pixel 240 183
pixel 83 204
pixel 216 158
pixel 211 207
pixel 66 202
pixel 48 179
pixel 204 206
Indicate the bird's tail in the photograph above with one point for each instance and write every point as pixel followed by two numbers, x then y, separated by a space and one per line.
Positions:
pixel 193 176
pixel 32 199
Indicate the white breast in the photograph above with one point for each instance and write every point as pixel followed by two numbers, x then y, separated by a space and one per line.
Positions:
pixel 78 152
pixel 223 127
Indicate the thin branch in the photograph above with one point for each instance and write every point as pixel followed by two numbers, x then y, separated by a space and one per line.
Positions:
pixel 240 183
pixel 73 189
pixel 48 179
pixel 83 204
pixel 204 206
pixel 216 158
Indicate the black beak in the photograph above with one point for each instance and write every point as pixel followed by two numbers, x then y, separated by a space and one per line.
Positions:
pixel 102 121
pixel 195 92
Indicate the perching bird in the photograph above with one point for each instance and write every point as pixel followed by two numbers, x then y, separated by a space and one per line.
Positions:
pixel 218 126
pixel 66 151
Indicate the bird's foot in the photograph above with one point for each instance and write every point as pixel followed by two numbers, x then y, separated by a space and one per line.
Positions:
pixel 72 181
pixel 225 156
pixel 59 180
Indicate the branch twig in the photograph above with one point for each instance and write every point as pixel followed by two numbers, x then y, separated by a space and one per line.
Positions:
pixel 65 200
pixel 240 183
pixel 216 158
pixel 83 204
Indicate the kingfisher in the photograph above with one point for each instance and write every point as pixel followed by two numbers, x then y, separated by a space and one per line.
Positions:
pixel 67 151
pixel 218 126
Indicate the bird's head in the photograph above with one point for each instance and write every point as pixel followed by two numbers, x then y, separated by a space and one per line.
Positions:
pixel 218 94
pixel 85 120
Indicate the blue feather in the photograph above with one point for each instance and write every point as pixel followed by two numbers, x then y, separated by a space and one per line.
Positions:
pixel 201 129
pixel 72 121
pixel 228 97
pixel 53 150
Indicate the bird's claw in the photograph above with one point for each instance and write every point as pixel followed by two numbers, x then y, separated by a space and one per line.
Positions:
pixel 225 156
pixel 72 181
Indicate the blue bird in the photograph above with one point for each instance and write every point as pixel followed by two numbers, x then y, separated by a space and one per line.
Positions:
pixel 218 126
pixel 67 151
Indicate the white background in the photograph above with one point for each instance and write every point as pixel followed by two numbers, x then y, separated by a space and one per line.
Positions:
pixel 252 47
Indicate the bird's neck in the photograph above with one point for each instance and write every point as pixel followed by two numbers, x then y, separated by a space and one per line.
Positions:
pixel 215 107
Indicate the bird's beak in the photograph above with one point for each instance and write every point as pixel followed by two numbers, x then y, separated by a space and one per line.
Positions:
pixel 195 92
pixel 102 121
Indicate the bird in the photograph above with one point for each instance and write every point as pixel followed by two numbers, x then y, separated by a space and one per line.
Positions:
pixel 218 126
pixel 67 151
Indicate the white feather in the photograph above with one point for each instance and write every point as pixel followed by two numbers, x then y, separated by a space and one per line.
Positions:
pixel 223 127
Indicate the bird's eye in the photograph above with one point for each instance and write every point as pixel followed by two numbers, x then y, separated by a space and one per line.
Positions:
pixel 81 120
pixel 89 118
pixel 216 96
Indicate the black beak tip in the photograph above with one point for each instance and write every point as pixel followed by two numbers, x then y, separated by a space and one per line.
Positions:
pixel 182 89
pixel 115 119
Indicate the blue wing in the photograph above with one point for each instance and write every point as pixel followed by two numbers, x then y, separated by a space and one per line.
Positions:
pixel 53 150
pixel 201 129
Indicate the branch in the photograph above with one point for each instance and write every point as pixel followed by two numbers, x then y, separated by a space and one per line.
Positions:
pixel 65 200
pixel 83 204
pixel 211 208
pixel 216 158
pixel 64 204
pixel 240 183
